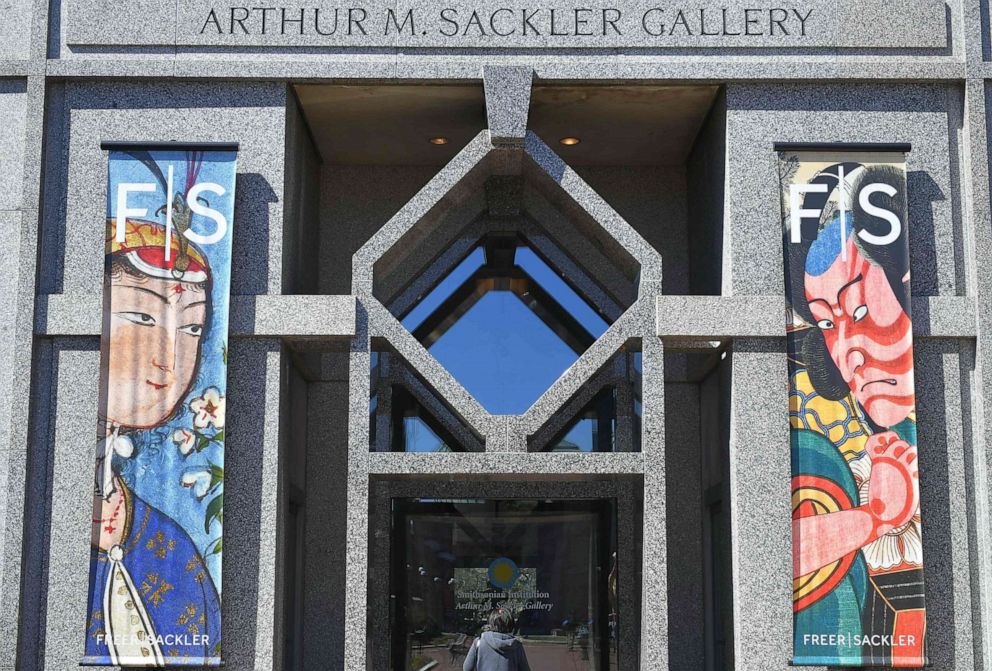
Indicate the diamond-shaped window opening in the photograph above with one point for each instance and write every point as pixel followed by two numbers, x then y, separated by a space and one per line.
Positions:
pixel 604 415
pixel 522 204
pixel 505 323
pixel 406 415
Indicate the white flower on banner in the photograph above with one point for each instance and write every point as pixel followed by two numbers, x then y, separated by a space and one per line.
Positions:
pixel 900 546
pixel 198 481
pixel 185 440
pixel 208 409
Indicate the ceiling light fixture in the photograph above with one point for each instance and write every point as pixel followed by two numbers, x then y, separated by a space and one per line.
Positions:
pixel 439 140
pixel 569 141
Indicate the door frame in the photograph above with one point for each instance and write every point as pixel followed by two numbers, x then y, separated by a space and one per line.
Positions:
pixel 629 525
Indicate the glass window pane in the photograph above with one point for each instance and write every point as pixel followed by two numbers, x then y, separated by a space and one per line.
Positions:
pixel 503 353
pixel 551 564
pixel 418 437
pixel 595 427
pixel 406 415
pixel 580 438
pixel 444 289
pixel 553 283
pixel 604 415
pixel 505 323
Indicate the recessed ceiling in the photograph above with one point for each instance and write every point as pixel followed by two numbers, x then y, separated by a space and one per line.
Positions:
pixel 394 125
pixel 621 125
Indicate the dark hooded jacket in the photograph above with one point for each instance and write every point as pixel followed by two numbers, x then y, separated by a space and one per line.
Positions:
pixel 494 651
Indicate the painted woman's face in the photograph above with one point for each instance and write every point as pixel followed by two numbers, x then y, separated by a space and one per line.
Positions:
pixel 154 344
pixel 868 334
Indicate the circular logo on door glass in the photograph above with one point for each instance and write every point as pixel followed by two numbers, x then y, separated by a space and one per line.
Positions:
pixel 503 573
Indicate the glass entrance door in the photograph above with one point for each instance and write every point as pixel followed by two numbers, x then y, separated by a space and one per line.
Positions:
pixel 551 563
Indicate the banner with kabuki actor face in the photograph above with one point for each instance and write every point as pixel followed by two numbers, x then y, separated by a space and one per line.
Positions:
pixel 158 500
pixel 858 594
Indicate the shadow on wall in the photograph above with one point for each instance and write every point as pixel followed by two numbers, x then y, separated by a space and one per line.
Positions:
pixel 923 192
pixel 250 252
pixel 246 492
pixel 940 514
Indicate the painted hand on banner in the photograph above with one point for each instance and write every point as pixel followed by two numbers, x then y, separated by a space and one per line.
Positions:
pixel 893 499
pixel 893 493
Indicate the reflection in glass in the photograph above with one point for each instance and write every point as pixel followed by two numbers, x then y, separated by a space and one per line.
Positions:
pixel 594 428
pixel 553 283
pixel 503 354
pixel 552 563
pixel 605 415
pixel 414 429
pixel 405 415
pixel 458 276
pixel 505 323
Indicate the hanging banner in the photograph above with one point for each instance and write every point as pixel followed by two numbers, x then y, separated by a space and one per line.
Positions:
pixel 158 501
pixel 858 597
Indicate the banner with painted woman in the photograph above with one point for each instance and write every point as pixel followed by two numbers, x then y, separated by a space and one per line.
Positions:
pixel 158 499
pixel 858 593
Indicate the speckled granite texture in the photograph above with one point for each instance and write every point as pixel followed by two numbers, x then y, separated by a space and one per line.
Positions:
pixel 644 248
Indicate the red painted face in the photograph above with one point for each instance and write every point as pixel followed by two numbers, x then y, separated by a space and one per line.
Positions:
pixel 868 334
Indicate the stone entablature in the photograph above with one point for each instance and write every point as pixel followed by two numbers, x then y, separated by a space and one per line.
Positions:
pixel 513 24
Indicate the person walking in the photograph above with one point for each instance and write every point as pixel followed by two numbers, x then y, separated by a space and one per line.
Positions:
pixel 497 649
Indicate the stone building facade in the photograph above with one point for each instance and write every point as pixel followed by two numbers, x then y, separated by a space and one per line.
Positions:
pixel 665 215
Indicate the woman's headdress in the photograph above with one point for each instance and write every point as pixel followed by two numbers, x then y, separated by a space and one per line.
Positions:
pixel 144 248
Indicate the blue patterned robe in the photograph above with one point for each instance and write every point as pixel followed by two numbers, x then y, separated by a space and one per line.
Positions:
pixel 170 575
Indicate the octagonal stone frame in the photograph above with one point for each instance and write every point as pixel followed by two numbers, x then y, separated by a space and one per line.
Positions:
pixel 448 191
pixel 575 212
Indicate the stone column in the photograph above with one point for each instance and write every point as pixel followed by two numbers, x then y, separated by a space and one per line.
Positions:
pixel 979 384
pixel 254 508
pixel 654 590
pixel 22 108
pixel 357 638
pixel 23 40
pixel 80 116
pixel 74 381
pixel 760 509
pixel 326 509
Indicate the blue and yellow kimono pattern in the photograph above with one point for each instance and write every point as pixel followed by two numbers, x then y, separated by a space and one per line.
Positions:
pixel 175 588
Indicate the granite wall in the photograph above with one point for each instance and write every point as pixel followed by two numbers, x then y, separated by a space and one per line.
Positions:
pixel 304 313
